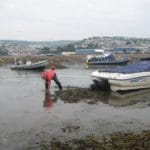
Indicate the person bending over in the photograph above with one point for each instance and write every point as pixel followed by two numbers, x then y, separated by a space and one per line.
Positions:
pixel 48 76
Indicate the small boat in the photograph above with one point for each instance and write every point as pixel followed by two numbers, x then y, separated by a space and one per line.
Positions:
pixel 105 59
pixel 29 65
pixel 129 77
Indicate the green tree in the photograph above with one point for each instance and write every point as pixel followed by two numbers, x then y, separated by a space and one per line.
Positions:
pixel 91 45
pixel 67 48
pixel 45 50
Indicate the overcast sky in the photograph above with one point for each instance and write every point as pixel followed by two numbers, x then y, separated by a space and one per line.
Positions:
pixel 73 19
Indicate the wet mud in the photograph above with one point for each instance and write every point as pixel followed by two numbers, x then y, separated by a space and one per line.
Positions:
pixel 60 61
pixel 76 94
pixel 93 96
pixel 115 141
pixel 76 117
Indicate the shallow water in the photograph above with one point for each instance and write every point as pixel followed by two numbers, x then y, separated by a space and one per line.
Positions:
pixel 27 114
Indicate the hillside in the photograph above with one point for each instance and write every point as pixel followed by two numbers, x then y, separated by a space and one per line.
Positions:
pixel 113 42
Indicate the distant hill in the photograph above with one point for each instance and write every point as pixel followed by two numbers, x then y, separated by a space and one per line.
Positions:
pixel 112 42
pixel 42 43
pixel 96 42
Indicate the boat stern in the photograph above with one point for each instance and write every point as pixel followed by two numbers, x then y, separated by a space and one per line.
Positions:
pixel 100 81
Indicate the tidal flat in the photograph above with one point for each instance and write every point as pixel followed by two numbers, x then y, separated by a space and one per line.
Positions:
pixel 74 118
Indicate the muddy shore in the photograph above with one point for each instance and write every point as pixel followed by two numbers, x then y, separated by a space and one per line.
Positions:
pixel 61 61
pixel 116 141
pixel 72 95
pixel 88 95
pixel 58 60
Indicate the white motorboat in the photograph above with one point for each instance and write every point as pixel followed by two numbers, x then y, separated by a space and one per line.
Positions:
pixel 130 77
pixel 29 65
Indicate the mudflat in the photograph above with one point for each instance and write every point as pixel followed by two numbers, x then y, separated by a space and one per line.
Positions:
pixel 74 118
pixel 59 60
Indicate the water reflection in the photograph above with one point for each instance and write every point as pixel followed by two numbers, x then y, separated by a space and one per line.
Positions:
pixel 129 97
pixel 49 100
pixel 27 72
pixel 126 98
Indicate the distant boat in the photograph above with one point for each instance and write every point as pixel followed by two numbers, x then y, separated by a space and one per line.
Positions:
pixel 105 59
pixel 29 65
pixel 68 53
pixel 130 77
pixel 49 54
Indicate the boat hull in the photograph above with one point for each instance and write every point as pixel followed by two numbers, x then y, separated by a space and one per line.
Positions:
pixel 33 66
pixel 106 59
pixel 130 84
pixel 119 62
pixel 119 81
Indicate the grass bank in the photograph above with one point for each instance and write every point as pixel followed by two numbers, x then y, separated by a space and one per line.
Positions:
pixel 59 60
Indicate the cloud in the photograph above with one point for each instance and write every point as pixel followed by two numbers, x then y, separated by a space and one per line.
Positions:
pixel 73 19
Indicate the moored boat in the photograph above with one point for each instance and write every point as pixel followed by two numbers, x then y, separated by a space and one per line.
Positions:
pixel 105 59
pixel 130 77
pixel 29 65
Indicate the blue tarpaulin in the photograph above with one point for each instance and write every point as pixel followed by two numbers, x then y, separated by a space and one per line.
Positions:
pixel 141 66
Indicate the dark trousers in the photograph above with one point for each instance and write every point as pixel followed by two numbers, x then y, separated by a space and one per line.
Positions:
pixel 57 82
pixel 47 83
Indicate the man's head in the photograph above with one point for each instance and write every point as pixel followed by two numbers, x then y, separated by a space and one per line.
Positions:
pixel 53 67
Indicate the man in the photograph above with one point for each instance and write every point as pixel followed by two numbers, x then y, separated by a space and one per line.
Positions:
pixel 49 75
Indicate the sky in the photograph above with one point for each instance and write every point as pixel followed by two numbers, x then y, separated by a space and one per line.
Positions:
pixel 44 20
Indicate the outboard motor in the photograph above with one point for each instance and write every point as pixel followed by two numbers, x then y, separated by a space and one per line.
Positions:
pixel 102 85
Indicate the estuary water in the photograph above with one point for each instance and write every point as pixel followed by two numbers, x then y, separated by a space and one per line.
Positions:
pixel 26 116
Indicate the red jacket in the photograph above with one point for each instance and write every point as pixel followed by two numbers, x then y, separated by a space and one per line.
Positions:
pixel 48 75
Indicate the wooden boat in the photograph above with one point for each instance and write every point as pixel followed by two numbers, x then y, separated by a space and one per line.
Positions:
pixel 29 65
pixel 130 77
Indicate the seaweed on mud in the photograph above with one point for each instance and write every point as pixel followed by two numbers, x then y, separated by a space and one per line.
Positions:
pixel 76 94
pixel 116 141
pixel 70 128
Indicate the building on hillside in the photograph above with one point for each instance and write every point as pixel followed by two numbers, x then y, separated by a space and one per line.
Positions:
pixel 89 51
pixel 68 53
pixel 126 50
